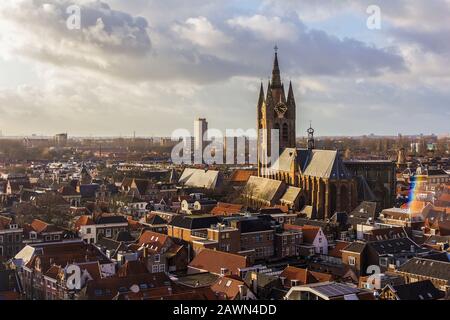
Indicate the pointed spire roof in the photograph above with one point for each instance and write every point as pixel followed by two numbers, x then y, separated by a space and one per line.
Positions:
pixel 290 97
pixel 276 76
pixel 261 95
pixel 269 100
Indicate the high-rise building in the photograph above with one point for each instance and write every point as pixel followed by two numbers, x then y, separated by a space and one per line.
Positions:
pixel 200 128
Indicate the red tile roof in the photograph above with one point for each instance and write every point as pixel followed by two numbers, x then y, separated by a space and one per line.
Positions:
pixel 213 261
pixel 242 175
pixel 132 268
pixel 310 233
pixel 226 209
pixel 155 239
pixel 337 250
pixel 83 221
pixel 303 276
pixel 227 288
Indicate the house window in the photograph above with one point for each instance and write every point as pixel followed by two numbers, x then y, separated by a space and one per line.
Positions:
pixel 157 257
pixel 1 239
pixel 48 238
pixel 351 260
pixel 108 232
pixel 155 268
pixel 383 262
pixel 162 267
pixel 56 237
pixel 33 235
pixel 88 231
pixel 17 237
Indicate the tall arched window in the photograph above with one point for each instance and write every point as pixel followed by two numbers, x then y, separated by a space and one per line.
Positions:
pixel 285 134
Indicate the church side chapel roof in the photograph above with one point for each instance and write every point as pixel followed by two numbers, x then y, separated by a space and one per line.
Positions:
pixel 316 163
pixel 284 161
pixel 325 164
pixel 291 195
pixel 263 188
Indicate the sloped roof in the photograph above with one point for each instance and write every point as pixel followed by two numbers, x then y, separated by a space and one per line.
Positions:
pixel 291 194
pixel 83 221
pixel 213 261
pixel 420 290
pixel 394 246
pixel 223 208
pixel 227 287
pixel 193 222
pixel 199 178
pixel 263 188
pixel 309 233
pixel 255 225
pixel 240 175
pixel 299 274
pixel 156 240
pixel 326 164
pixel 337 250
pixel 356 246
pixel 285 160
pixel 365 209
pixel 428 268
pixel 132 268
pixel 4 222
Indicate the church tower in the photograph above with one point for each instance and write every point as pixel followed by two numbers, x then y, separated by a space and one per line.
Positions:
pixel 275 112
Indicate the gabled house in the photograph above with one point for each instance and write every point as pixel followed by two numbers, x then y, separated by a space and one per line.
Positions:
pixel 43 268
pixel 418 269
pixel 39 231
pixel 232 288
pixel 218 262
pixel 91 229
pixel 10 238
pixel 293 276
pixel 160 252
pixel 420 290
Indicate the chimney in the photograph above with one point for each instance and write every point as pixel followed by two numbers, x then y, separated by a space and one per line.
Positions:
pixel 241 291
pixel 282 279
pixel 223 271
pixel 255 282
pixel 145 252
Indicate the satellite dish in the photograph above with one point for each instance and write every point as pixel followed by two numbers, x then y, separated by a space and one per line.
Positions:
pixel 134 288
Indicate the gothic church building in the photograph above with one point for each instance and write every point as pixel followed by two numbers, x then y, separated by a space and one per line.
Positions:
pixel 311 179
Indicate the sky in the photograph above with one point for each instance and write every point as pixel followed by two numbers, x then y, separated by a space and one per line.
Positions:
pixel 153 66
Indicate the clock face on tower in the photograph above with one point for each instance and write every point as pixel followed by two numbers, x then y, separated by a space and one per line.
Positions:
pixel 280 109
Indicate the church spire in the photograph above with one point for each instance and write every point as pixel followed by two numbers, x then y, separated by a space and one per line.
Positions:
pixel 290 97
pixel 261 96
pixel 276 77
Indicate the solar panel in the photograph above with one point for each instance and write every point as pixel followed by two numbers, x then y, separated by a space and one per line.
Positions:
pixel 332 290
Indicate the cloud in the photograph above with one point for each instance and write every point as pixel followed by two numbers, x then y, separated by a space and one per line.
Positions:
pixel 153 66
pixel 267 28
pixel 38 30
pixel 200 31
